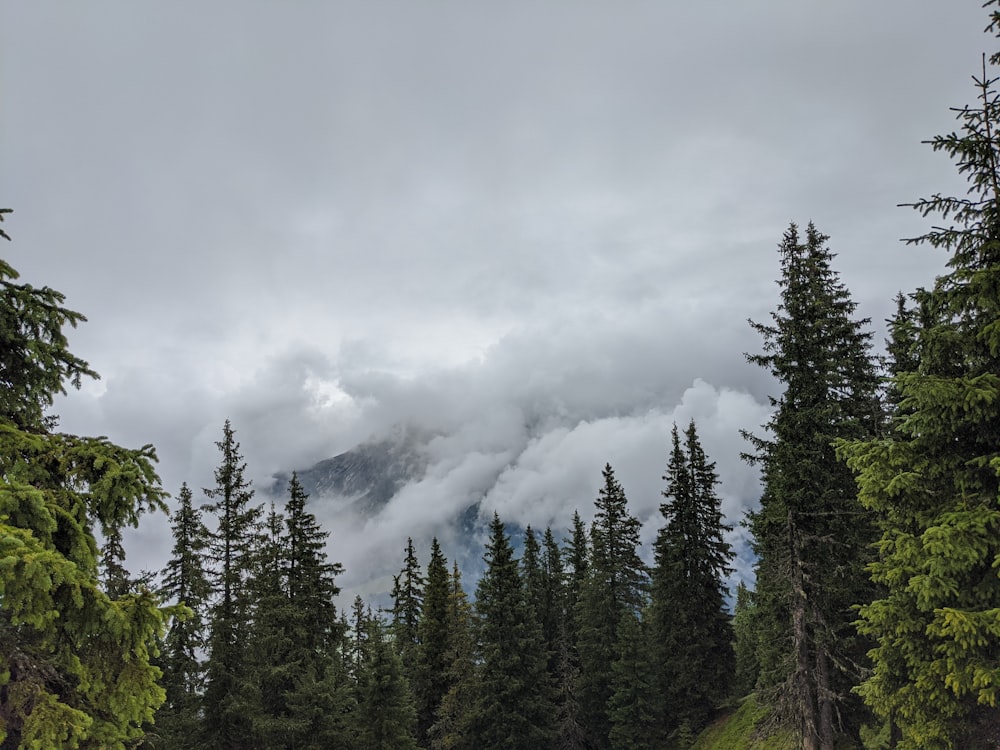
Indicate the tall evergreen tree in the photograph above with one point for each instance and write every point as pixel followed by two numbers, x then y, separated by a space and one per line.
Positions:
pixel 75 664
pixel 746 641
pixel 570 734
pixel 691 629
pixel 552 604
pixel 269 670
pixel 811 536
pixel 512 710
pixel 616 584
pixel 432 678
pixel 385 713
pixel 407 606
pixel 934 480
pixel 452 728
pixel 577 565
pixel 319 701
pixel 185 582
pixel 231 551
pixel 632 707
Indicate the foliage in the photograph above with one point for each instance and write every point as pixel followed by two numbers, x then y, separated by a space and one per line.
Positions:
pixel 512 707
pixel 407 606
pixel 432 668
pixel 934 480
pixel 386 718
pixel 746 728
pixel 184 582
pixel 75 662
pixel 690 622
pixel 615 584
pixel 232 549
pixel 811 535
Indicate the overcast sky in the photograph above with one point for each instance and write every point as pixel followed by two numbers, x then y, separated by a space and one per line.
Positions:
pixel 537 228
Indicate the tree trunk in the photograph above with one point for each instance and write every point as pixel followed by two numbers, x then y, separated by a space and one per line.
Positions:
pixel 824 697
pixel 802 682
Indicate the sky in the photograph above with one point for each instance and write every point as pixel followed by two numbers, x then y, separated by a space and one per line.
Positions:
pixel 535 230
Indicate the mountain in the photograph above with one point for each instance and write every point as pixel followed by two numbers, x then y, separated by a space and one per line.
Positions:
pixel 368 475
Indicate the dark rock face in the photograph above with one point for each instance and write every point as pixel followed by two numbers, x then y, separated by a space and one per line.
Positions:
pixel 368 475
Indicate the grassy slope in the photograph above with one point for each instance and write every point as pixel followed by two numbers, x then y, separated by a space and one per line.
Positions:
pixel 735 731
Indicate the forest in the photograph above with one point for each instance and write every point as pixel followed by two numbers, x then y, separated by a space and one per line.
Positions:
pixel 874 621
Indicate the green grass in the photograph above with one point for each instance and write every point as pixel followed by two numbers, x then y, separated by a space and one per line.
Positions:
pixel 737 730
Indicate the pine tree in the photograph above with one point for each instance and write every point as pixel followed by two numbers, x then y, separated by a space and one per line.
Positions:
pixel 934 479
pixel 75 664
pixel 576 555
pixel 432 680
pixel 269 670
pixel 511 709
pixel 407 606
pixel 552 604
pixel 693 652
pixel 632 707
pixel 184 582
pixel 811 536
pixel 232 548
pixel 570 734
pixel 746 642
pixel 319 701
pixel 386 715
pixel 295 686
pixel 616 584
pixel 452 728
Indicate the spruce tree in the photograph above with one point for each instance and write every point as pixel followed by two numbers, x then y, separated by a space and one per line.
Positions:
pixel 746 642
pixel 691 629
pixel 75 663
pixel 269 671
pixel 386 717
pixel 570 734
pixel 512 708
pixel 811 535
pixel 432 679
pixel 186 583
pixel 616 583
pixel 632 707
pixel 934 479
pixel 452 728
pixel 232 548
pixel 407 606
pixel 319 701
pixel 552 604
pixel 576 557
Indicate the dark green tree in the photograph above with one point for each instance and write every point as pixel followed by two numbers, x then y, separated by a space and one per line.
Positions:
pixel 269 671
pixel 319 700
pixel 296 688
pixel 232 552
pixel 512 708
pixel 185 582
pixel 811 535
pixel 570 734
pixel 386 717
pixel 934 481
pixel 577 567
pixel 690 622
pixel 75 663
pixel 407 607
pixel 635 723
pixel 432 678
pixel 616 583
pixel 746 642
pixel 452 728
pixel 552 603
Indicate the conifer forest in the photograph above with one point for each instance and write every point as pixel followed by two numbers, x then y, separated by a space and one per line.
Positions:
pixel 873 622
